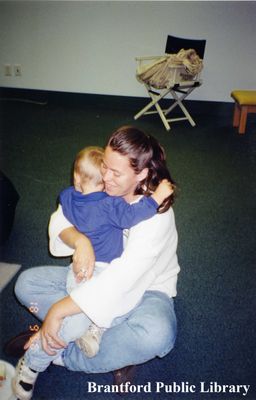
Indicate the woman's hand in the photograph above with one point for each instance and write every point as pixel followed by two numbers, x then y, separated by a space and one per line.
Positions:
pixel 33 341
pixel 48 335
pixel 83 256
pixel 49 332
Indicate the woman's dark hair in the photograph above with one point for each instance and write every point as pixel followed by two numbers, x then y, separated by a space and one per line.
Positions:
pixel 143 151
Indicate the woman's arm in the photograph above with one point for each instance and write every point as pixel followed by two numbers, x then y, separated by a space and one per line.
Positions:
pixel 65 240
pixel 57 224
pixel 149 262
pixel 83 256
pixel 52 323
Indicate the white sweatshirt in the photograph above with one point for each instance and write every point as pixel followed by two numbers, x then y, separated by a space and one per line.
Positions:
pixel 149 262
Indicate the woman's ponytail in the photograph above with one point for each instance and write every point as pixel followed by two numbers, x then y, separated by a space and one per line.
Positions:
pixel 143 151
pixel 158 171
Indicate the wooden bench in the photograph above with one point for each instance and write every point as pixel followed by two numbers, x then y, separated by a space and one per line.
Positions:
pixel 245 103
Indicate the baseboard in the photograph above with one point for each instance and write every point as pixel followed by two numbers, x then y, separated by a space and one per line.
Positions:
pixel 43 97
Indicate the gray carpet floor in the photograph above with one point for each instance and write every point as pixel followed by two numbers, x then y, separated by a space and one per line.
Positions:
pixel 215 169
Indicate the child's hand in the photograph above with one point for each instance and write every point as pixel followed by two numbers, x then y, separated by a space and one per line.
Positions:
pixel 163 190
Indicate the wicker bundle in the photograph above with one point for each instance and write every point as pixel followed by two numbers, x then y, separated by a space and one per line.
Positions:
pixel 162 72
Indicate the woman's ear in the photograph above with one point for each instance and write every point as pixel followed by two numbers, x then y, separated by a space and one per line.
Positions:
pixel 142 175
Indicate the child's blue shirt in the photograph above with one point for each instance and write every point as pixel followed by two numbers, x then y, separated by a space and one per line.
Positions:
pixel 102 218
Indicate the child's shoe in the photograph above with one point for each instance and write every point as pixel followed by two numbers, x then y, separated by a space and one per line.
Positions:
pixel 89 343
pixel 24 380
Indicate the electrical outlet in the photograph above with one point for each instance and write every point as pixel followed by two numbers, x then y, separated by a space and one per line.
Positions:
pixel 7 70
pixel 17 69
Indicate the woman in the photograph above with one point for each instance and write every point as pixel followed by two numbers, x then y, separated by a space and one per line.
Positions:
pixel 136 291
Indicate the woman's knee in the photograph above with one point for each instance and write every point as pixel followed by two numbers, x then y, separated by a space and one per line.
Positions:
pixel 155 335
pixel 168 330
pixel 161 336
pixel 22 285
pixel 166 337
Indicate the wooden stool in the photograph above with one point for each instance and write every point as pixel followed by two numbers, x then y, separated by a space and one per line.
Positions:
pixel 245 102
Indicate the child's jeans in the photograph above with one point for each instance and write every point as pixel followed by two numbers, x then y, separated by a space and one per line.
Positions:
pixel 72 328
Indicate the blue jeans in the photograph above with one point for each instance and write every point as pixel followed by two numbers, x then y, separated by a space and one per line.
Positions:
pixel 148 331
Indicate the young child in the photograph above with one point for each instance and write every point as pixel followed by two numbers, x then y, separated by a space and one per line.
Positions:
pixel 102 219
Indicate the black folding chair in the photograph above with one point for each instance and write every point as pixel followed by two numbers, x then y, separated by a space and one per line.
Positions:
pixel 180 80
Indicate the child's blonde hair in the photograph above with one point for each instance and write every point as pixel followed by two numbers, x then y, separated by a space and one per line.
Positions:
pixel 88 164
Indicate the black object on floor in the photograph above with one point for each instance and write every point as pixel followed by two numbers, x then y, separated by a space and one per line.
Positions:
pixel 15 346
pixel 8 202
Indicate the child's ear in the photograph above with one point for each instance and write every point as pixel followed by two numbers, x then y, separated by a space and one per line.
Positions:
pixel 77 179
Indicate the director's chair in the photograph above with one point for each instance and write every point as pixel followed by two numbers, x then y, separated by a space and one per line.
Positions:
pixel 178 78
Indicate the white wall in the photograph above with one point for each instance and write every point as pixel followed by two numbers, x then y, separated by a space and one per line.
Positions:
pixel 90 47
